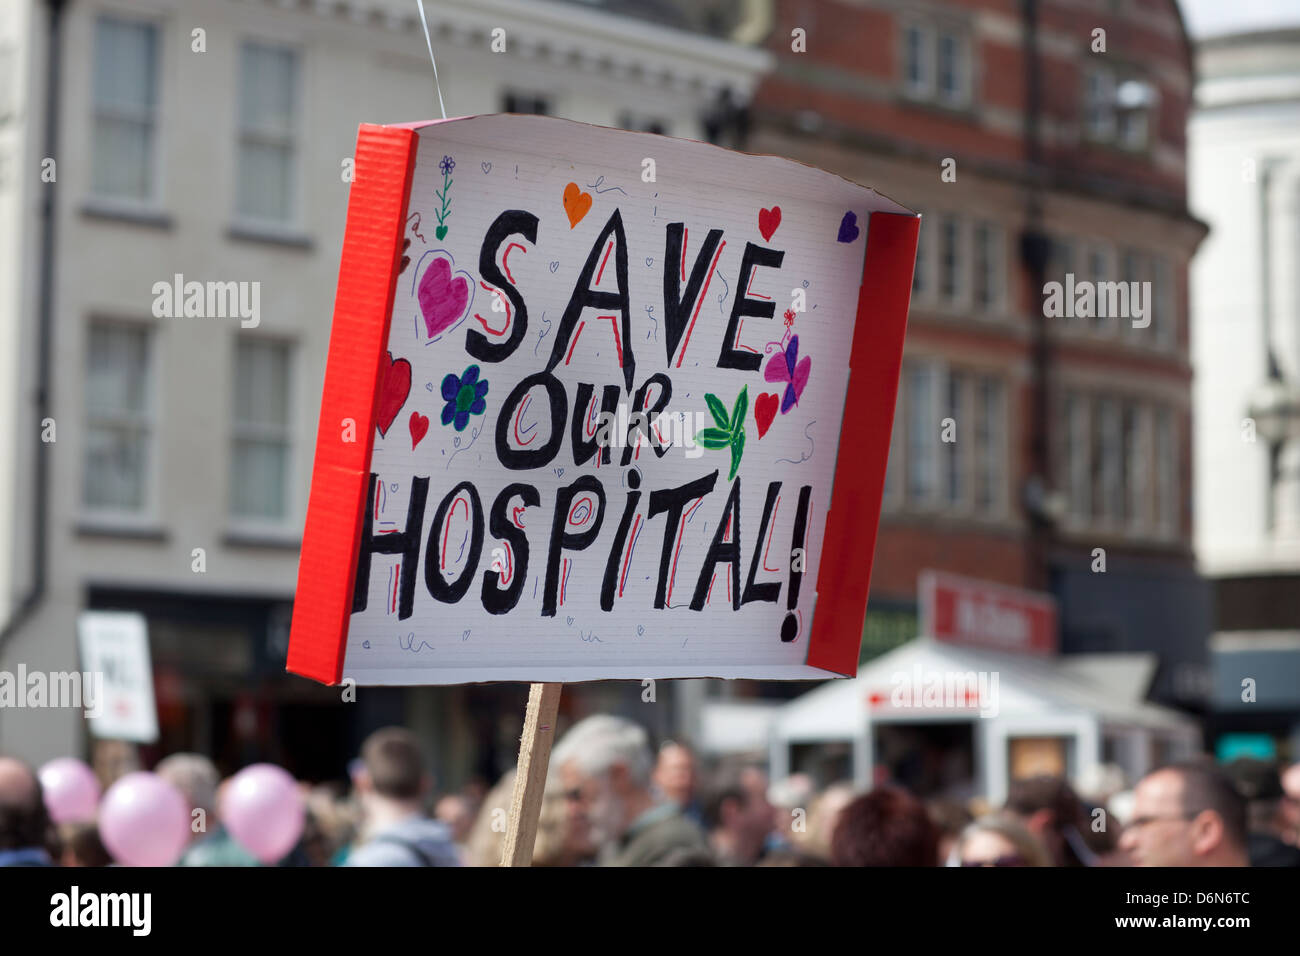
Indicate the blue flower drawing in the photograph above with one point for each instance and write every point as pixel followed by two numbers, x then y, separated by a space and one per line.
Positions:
pixel 464 397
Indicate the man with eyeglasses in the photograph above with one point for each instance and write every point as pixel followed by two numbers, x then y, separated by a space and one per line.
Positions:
pixel 1186 814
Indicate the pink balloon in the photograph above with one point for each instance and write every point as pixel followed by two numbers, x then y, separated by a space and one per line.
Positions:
pixel 263 810
pixel 144 821
pixel 71 790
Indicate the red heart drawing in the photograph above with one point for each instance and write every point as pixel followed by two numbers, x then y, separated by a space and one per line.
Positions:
pixel 419 425
pixel 393 390
pixel 443 297
pixel 768 220
pixel 765 407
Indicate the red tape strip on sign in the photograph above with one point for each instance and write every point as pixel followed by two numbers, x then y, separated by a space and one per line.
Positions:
pixel 385 158
pixel 844 578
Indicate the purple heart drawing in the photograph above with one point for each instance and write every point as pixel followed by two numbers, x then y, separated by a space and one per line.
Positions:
pixel 789 368
pixel 442 298
pixel 848 227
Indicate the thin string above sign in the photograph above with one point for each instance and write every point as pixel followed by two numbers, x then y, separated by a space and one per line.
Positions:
pixel 429 40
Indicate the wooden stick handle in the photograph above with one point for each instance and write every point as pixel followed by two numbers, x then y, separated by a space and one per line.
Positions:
pixel 530 775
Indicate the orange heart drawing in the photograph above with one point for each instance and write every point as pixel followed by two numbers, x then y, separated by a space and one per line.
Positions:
pixel 576 203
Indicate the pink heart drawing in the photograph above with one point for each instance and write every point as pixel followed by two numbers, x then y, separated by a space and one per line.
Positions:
pixel 442 298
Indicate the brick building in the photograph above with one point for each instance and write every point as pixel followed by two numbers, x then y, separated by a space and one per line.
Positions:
pixel 1042 141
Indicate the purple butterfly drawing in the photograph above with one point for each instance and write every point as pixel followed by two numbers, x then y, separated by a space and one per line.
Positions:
pixel 789 368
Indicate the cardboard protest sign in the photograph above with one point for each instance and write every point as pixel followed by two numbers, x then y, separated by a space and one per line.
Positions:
pixel 599 405
pixel 115 644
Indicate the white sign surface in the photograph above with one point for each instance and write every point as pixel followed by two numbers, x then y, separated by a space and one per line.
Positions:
pixel 116 645
pixel 608 417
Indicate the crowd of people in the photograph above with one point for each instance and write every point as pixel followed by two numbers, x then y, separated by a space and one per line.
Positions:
pixel 613 800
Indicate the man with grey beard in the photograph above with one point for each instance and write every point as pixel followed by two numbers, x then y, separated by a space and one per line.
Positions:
pixel 604 767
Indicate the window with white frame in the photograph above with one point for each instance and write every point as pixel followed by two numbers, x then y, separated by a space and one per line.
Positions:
pixel 261 433
pixel 1166 473
pixel 1163 317
pixel 953 68
pixel 1134 267
pixel 918 67
pixel 119 427
pixel 966 475
pixel 1109 448
pixel 1124 499
pixel 267 183
pixel 1099 271
pixel 1133 130
pixel 1137 456
pixel 950 260
pixel 1099 103
pixel 1117 464
pixel 1108 462
pixel 922 433
pixel 1134 100
pixel 125 105
pixel 990 446
pixel 1099 471
pixel 1118 107
pixel 988 266
pixel 1078 455
pixel 937 63
pixel 955 454
pixel 1130 266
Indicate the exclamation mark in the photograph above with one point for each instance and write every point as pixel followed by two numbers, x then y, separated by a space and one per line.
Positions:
pixel 790 626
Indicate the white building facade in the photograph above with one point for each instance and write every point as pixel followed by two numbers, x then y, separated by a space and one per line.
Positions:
pixel 1244 148
pixel 211 142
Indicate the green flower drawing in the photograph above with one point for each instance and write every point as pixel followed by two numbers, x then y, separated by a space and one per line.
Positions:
pixel 730 432
pixel 446 166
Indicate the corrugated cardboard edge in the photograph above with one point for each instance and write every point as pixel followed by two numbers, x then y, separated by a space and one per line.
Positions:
pixel 901 210
pixel 844 577
pixel 372 241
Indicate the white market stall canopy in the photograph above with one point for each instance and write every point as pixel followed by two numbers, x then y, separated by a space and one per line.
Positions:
pixel 1108 687
pixel 1111 687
